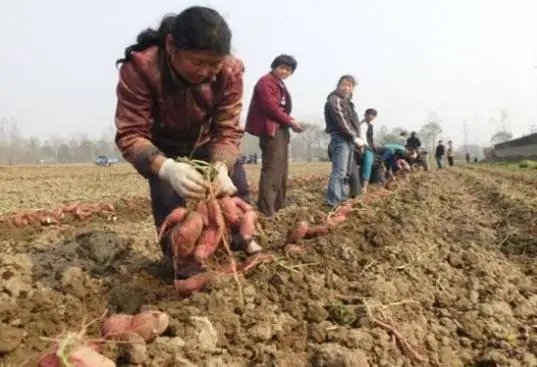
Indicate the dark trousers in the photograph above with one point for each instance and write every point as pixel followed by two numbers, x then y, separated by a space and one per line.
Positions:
pixel 274 171
pixel 164 200
pixel 450 161
pixel 355 183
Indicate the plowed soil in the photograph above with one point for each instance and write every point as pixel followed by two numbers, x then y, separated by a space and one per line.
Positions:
pixel 438 273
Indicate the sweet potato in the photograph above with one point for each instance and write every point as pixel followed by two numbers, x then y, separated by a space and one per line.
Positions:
pixel 343 210
pixel 147 324
pixel 242 205
pixel 78 356
pixel 299 232
pixel 83 213
pixel 106 207
pixel 185 235
pixel 201 208
pixel 117 326
pixel 253 261
pixel 247 227
pixel 150 324
pixel 207 244
pixel 195 283
pixel 173 219
pixel 232 213
pixel 216 218
pixel 336 219
pixel 317 230
pixel 21 220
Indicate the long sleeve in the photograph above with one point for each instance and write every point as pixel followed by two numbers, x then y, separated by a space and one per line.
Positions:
pixel 133 119
pixel 268 93
pixel 337 114
pixel 362 132
pixel 226 133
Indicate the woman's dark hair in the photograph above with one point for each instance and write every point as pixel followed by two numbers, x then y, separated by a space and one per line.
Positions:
pixel 371 111
pixel 286 60
pixel 350 78
pixel 195 28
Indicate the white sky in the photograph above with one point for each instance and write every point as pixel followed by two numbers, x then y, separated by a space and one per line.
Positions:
pixel 464 59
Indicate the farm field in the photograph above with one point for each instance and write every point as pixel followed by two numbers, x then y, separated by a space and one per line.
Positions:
pixel 438 271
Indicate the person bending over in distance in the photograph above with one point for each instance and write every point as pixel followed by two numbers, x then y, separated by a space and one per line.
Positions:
pixel 395 158
pixel 269 118
pixel 180 95
pixel 342 124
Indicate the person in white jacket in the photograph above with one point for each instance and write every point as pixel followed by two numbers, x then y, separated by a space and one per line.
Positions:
pixel 365 132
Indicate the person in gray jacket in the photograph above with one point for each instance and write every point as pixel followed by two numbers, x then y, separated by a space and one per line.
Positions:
pixel 342 123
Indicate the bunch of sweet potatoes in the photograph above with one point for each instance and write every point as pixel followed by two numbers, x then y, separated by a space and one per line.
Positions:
pixel 199 231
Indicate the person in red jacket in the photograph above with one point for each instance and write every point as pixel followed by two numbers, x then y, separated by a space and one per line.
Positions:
pixel 180 95
pixel 269 118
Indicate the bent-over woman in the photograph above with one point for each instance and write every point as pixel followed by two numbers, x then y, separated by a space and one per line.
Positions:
pixel 180 95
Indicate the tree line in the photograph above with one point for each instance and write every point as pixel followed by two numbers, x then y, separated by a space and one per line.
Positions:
pixel 310 145
pixel 18 149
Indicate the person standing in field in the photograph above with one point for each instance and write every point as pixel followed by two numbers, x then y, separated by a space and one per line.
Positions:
pixel 450 153
pixel 180 95
pixel 269 118
pixel 342 123
pixel 413 142
pixel 467 158
pixel 365 133
pixel 439 154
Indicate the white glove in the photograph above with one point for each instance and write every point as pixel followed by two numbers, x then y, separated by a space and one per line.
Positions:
pixel 184 179
pixel 225 184
pixel 358 142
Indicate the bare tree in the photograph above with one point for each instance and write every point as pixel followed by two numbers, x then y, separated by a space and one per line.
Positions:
pixel 431 131
pixel 501 137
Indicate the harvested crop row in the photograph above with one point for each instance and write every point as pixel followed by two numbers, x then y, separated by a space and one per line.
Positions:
pixel 82 211
pixel 306 230
pixel 54 216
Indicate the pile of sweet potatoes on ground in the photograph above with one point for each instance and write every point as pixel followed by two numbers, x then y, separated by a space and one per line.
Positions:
pixel 74 349
pixel 54 216
pixel 305 230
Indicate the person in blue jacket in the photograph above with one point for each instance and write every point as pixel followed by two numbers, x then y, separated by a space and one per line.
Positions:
pixel 394 156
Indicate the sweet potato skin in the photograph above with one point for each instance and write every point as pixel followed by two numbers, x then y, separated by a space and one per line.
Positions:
pixel 185 235
pixel 232 213
pixel 195 283
pixel 247 228
pixel 201 208
pixel 207 244
pixel 150 324
pixel 242 205
pixel 174 218
pixel 317 230
pixel 117 326
pixel 299 232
